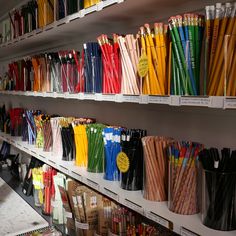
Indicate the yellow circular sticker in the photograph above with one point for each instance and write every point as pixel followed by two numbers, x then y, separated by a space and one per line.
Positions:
pixel 122 162
pixel 143 65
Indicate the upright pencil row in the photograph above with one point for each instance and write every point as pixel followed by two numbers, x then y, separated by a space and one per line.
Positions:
pixel 38 13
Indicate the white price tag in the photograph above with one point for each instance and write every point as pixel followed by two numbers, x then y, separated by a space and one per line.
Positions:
pixel 217 102
pixel 66 95
pixel 60 95
pixel 230 103
pixel 76 176
pixel 144 99
pixel 92 184
pixel 82 13
pixel 195 101
pixel 131 98
pixel 160 220
pixel 63 169
pixel 175 100
pixel 111 194
pixel 186 232
pixel 74 95
pixel 98 97
pixel 119 98
pixel 68 214
pixel 108 97
pixel 159 99
pixel 43 157
pixel 99 6
pixel 134 206
pixel 81 225
pixel 89 96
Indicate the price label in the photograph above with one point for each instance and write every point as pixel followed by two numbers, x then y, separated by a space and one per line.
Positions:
pixel 76 176
pixel 68 214
pixel 99 6
pixel 160 220
pixel 186 232
pixel 88 96
pixel 131 98
pixel 144 99
pixel 195 101
pixel 175 100
pixel 230 103
pixel 159 99
pixel 81 225
pixel 108 97
pixel 82 13
pixel 143 65
pixel 99 97
pixel 111 194
pixel 217 102
pixel 122 162
pixel 119 98
pixel 134 206
pixel 92 184
pixel 63 169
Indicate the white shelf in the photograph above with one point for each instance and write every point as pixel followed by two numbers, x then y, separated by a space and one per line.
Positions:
pixel 193 101
pixel 106 17
pixel 156 211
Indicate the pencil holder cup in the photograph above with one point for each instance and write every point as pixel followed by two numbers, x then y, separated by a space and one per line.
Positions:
pixel 183 189
pixel 132 179
pixel 218 209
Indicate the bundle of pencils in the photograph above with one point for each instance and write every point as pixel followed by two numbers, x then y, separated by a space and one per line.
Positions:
pixel 186 35
pixel 39 130
pixel 92 68
pixel 48 183
pixel 24 132
pixel 79 63
pixel 89 3
pixel 220 67
pixel 67 136
pixel 32 133
pixel 183 172
pixel 56 137
pixel 95 147
pixel 54 66
pixel 67 71
pixel 130 82
pixel 16 121
pixel 218 188
pixel 45 12
pixel 111 64
pixel 47 133
pixel 155 47
pixel 131 145
pixel 111 137
pixel 81 140
pixel 155 168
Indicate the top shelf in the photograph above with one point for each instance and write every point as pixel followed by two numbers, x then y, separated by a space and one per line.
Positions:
pixel 105 17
